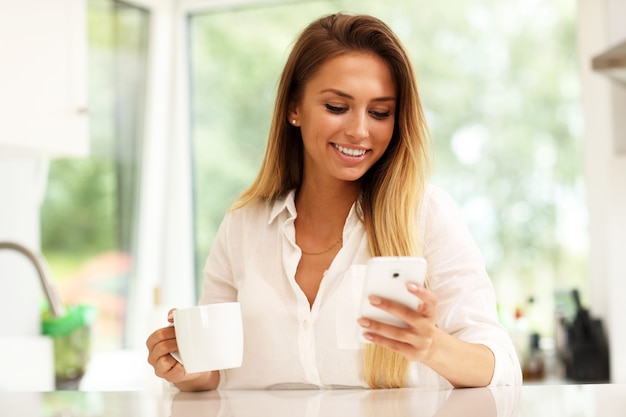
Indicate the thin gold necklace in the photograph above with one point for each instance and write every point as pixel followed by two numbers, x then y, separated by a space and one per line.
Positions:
pixel 325 250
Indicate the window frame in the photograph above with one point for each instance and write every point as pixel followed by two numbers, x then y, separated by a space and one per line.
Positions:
pixel 165 268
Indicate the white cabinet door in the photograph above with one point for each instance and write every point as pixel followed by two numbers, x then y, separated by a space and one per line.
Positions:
pixel 43 77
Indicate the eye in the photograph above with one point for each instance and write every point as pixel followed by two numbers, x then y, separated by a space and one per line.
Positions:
pixel 380 115
pixel 335 109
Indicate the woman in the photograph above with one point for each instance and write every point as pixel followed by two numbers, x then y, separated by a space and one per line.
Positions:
pixel 344 178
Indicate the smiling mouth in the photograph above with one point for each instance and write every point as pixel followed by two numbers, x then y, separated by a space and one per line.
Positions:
pixel 350 152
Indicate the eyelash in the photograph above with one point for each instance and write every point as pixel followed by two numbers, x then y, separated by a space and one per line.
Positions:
pixel 340 110
pixel 380 115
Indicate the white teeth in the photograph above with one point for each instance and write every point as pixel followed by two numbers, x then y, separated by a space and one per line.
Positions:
pixel 350 152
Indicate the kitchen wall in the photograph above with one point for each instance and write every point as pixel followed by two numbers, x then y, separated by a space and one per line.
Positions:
pixel 601 25
pixel 43 114
pixel 22 179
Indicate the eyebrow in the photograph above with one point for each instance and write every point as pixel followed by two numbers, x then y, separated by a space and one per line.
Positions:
pixel 348 96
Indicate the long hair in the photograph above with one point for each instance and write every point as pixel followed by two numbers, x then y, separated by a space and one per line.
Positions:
pixel 392 189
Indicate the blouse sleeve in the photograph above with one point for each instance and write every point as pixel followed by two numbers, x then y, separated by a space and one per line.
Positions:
pixel 218 285
pixel 466 305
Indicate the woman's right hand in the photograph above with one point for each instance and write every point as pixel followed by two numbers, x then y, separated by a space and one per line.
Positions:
pixel 160 344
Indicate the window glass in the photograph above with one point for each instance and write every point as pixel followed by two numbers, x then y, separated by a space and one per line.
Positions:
pixel 89 212
pixel 500 88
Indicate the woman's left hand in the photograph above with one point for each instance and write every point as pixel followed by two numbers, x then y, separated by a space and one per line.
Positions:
pixel 414 342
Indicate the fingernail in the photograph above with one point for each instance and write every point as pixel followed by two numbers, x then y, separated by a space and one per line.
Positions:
pixel 364 322
pixel 368 336
pixel 375 300
pixel 413 286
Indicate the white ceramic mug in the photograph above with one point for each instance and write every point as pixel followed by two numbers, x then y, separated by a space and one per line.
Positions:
pixel 209 337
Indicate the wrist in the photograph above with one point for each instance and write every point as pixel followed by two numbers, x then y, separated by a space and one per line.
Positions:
pixel 203 381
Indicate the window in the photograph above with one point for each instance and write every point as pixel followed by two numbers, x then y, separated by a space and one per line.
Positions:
pixel 89 214
pixel 500 88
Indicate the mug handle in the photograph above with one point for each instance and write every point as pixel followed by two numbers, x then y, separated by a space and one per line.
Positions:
pixel 176 356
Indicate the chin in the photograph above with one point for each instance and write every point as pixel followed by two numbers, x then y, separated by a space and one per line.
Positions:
pixel 351 177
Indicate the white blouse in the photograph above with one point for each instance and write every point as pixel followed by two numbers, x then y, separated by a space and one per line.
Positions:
pixel 289 344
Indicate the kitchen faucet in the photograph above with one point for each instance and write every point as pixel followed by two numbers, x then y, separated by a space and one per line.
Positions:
pixel 56 307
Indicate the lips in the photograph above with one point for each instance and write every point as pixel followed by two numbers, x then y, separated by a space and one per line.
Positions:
pixel 355 153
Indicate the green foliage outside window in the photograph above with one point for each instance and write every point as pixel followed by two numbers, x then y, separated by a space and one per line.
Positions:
pixel 88 216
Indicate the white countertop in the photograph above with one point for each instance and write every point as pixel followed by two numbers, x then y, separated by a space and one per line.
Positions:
pixel 606 400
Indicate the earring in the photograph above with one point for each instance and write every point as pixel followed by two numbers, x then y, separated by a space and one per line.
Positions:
pixel 294 121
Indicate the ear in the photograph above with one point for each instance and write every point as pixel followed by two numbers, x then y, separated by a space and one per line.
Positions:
pixel 293 114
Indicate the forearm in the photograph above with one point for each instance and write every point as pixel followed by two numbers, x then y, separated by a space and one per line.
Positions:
pixel 205 381
pixel 463 364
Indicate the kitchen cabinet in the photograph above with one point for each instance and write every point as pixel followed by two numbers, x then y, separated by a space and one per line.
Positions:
pixel 43 78
pixel 612 62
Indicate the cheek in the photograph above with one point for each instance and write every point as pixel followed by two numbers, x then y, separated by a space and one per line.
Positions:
pixel 322 127
pixel 382 134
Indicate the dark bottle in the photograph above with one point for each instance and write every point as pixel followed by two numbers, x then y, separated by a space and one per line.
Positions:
pixel 534 367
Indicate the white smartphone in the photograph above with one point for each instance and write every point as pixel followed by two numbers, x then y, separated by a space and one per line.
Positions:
pixel 387 277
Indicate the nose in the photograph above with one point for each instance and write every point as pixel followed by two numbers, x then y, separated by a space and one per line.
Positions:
pixel 357 126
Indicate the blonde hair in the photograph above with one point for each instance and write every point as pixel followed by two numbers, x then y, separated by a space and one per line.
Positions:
pixel 392 189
